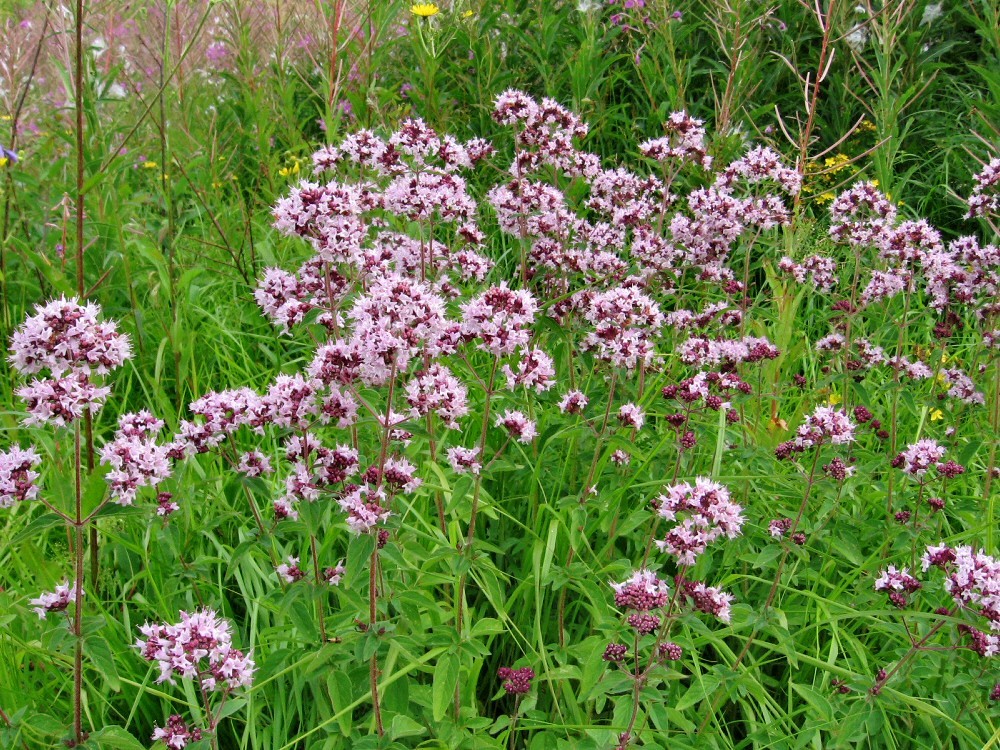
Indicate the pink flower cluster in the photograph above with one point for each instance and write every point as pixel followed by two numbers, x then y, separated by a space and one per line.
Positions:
pixel 18 475
pixel 825 424
pixel 64 336
pixel 67 339
pixel 973 580
pixel 684 141
pixel 985 198
pixel 176 735
pixel 897 583
pixel 516 681
pixel 135 458
pixel 199 647
pixel 821 271
pixel 708 599
pixel 626 322
pixel 705 513
pixel 54 601
pixel 642 592
pixel 919 457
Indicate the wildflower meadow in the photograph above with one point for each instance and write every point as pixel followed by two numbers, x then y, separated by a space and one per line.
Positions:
pixel 577 374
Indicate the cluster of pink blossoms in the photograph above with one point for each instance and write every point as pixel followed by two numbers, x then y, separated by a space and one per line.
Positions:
pixel 639 596
pixel 67 339
pixel 176 735
pixel 199 647
pixel 642 592
pixel 516 681
pixel 897 584
pixel 54 601
pixel 135 458
pixel 18 475
pixel 985 198
pixel 973 581
pixel 819 270
pixel 705 513
pixel 290 572
pixel 919 457
pixel 824 425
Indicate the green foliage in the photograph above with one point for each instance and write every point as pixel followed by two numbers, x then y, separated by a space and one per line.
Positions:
pixel 179 189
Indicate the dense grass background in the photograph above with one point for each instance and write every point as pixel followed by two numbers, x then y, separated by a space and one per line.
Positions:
pixel 181 171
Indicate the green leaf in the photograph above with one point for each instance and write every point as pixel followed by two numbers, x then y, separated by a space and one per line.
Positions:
pixel 100 654
pixel 816 700
pixel 487 626
pixel 404 726
pixel 445 680
pixel 113 738
pixel 44 521
pixel 339 685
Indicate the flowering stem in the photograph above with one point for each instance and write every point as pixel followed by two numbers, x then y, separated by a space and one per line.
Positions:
pixel 372 614
pixel 895 395
pixel 991 462
pixel 438 498
pixel 637 679
pixel 656 520
pixel 879 684
pixel 916 516
pixel 321 600
pixel 774 586
pixel 471 535
pixel 513 722
pixel 600 435
pixel 209 716
pixel 78 590
pixel 784 558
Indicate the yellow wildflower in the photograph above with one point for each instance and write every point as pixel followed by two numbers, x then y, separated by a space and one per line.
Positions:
pixel 3 161
pixel 424 10
pixel 936 415
pixel 468 14
pixel 835 398
pixel 149 165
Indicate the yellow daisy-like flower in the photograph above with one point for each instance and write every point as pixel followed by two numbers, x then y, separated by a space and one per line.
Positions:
pixel 424 10
pixel 936 415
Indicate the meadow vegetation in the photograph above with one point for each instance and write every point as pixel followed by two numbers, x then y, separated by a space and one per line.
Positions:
pixel 499 375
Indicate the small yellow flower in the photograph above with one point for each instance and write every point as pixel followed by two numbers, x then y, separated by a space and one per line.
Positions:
pixel 149 165
pixel 424 10
pixel 468 14
pixel 5 118
pixel 835 398
pixel 936 415
pixel 826 197
pixel 3 161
